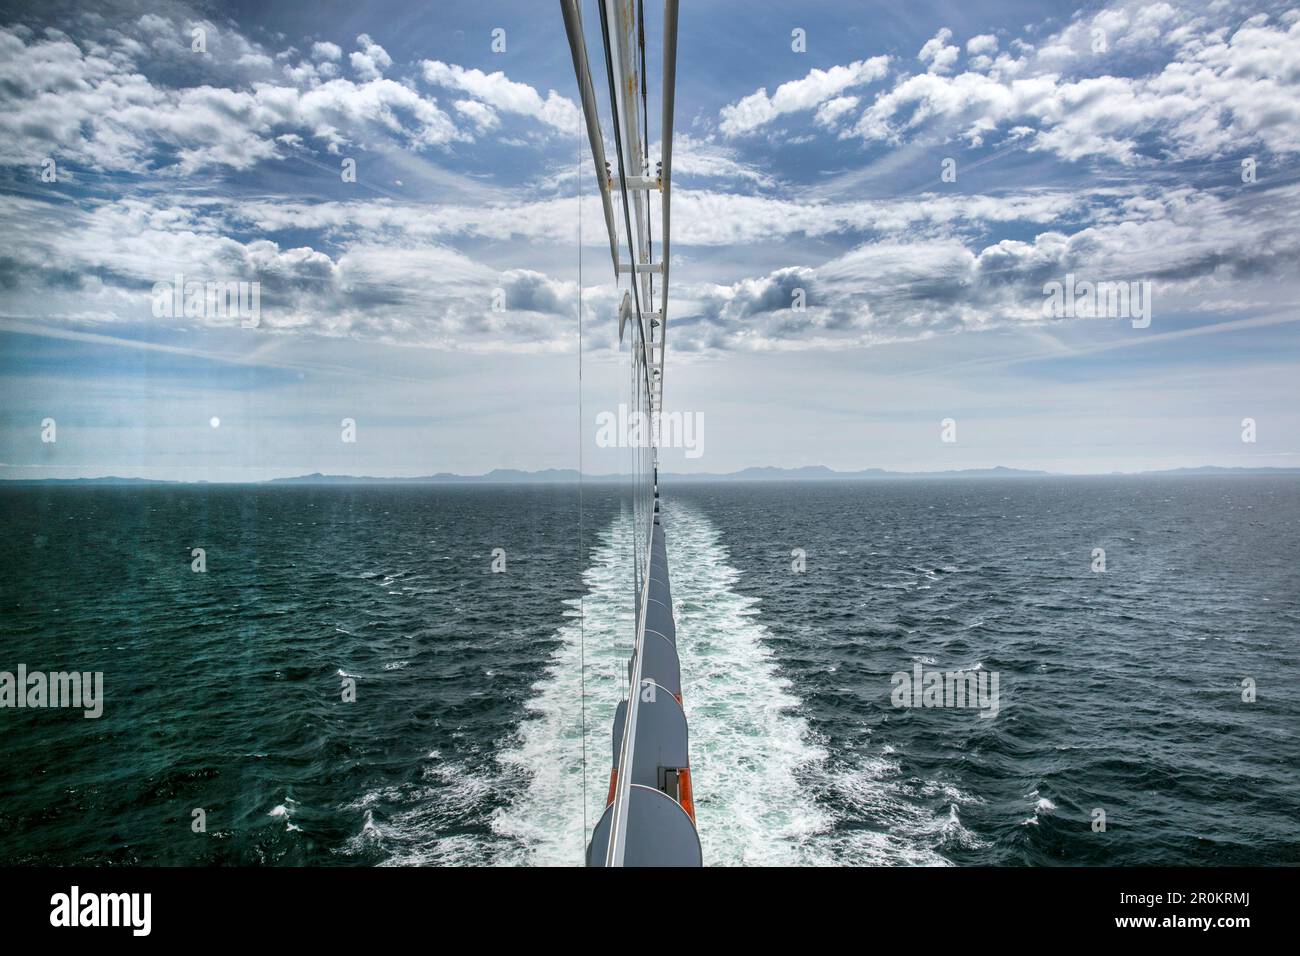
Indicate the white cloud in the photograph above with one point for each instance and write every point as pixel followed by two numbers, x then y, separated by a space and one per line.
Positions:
pixel 1222 91
pixel 101 111
pixel 394 278
pixel 937 53
pixel 501 93
pixel 695 157
pixel 984 43
pixel 900 267
pixel 371 60
pixel 332 109
pixel 377 287
pixel 757 109
pixel 702 217
pixel 721 219
pixel 481 115
pixel 1194 247
pixel 255 61
pixel 324 50
pixel 303 74
pixel 831 112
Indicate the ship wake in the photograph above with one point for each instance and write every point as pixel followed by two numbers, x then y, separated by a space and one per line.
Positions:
pixel 766 792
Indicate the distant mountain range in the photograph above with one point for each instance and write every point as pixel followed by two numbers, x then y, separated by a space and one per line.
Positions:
pixel 561 475
pixel 514 476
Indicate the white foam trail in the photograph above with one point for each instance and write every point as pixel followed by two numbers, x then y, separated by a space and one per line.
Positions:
pixel 748 746
pixel 546 820
pixel 756 768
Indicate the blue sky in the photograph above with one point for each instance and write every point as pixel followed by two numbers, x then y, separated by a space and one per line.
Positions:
pixel 1104 141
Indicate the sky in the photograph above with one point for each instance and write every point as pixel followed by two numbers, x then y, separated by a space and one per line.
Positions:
pixel 916 175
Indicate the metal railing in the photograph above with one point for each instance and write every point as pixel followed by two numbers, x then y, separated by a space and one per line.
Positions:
pixel 623 45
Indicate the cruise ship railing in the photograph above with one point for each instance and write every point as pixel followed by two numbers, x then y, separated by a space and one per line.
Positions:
pixel 638 827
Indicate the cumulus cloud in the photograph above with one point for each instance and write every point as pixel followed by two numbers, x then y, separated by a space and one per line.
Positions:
pixel 375 287
pixel 1128 27
pixel 481 115
pixel 873 269
pixel 1210 82
pixel 938 55
pixel 710 218
pixel 703 217
pixel 981 50
pixel 498 92
pixel 703 159
pixel 395 278
pixel 371 60
pixel 1191 245
pixel 1223 89
pixel 94 107
pixel 324 50
pixel 918 266
pixel 757 109
pixel 831 112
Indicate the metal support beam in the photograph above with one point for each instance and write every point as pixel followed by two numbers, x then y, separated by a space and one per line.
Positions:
pixel 666 162
pixel 578 49
pixel 644 183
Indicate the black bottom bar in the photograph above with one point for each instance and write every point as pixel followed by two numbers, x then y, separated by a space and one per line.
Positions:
pixel 330 906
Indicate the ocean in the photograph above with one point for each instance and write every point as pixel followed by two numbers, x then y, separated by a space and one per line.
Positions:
pixel 480 729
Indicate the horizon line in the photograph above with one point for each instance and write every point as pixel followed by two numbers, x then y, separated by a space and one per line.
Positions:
pixel 567 475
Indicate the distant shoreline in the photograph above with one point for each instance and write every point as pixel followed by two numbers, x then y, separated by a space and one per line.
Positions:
pixel 561 476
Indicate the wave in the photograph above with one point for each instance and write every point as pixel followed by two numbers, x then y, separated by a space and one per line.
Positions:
pixel 566 764
pixel 749 747
pixel 763 781
pixel 764 784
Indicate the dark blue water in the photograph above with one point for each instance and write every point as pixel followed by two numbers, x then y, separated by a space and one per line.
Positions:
pixel 1119 691
pixel 224 688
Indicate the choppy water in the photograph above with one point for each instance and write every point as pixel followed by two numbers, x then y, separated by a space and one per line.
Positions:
pixel 465 745
pixel 1119 690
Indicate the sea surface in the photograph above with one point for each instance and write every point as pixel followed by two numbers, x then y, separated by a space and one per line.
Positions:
pixel 480 729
